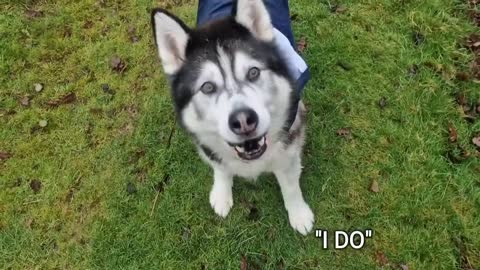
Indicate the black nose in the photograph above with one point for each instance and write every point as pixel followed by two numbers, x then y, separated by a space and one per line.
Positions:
pixel 243 121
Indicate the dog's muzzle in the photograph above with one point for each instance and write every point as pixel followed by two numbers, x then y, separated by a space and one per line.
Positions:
pixel 251 149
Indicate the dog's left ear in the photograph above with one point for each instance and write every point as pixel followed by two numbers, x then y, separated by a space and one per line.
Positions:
pixel 254 16
pixel 171 37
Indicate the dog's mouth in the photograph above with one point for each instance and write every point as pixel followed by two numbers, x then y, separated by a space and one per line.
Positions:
pixel 251 149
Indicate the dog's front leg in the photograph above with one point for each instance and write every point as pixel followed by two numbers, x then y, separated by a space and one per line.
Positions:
pixel 221 198
pixel 299 213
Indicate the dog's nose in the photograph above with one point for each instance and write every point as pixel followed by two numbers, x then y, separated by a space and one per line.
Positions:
pixel 243 121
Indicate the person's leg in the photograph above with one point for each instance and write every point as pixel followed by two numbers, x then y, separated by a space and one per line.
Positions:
pixel 213 9
pixel 278 10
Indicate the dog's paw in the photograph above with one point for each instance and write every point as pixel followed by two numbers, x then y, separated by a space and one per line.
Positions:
pixel 221 201
pixel 301 218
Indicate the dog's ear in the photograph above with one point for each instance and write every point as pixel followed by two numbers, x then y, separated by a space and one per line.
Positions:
pixel 171 37
pixel 254 16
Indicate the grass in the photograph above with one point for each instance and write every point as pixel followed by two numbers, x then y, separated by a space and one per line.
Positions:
pixel 426 214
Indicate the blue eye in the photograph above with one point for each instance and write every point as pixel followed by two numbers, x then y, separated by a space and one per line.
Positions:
pixel 253 74
pixel 208 88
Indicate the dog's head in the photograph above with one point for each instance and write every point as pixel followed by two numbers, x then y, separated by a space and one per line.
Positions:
pixel 230 86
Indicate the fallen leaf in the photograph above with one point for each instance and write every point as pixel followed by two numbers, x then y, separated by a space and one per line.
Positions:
pixel 381 258
pixel 25 101
pixel 418 38
pixel 346 66
pixel 374 186
pixel 302 45
pixel 244 263
pixel 462 76
pixel 35 185
pixel 475 16
pixel 38 87
pixel 32 13
pixel 337 8
pixel 472 43
pixel 382 103
pixel 42 123
pixel 117 64
pixel 131 188
pixel 461 99
pixel 344 132
pixel 452 133
pixel 476 141
pixel 65 99
pixel 5 155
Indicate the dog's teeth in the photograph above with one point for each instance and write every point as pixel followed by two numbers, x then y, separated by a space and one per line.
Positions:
pixel 240 149
pixel 262 141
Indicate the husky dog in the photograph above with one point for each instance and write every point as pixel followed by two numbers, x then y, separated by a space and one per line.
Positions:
pixel 234 95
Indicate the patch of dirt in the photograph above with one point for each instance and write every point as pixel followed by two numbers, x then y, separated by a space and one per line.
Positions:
pixel 35 185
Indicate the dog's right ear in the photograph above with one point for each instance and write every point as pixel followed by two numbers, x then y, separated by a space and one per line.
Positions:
pixel 171 37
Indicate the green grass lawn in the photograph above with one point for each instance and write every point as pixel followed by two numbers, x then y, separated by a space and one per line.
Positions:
pixel 105 179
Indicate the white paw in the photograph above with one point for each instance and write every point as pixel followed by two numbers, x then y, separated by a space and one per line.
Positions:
pixel 301 218
pixel 221 200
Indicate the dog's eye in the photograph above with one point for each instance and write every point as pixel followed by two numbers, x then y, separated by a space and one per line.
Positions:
pixel 253 74
pixel 208 88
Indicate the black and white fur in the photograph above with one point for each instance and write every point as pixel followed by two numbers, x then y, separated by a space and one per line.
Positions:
pixel 226 66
